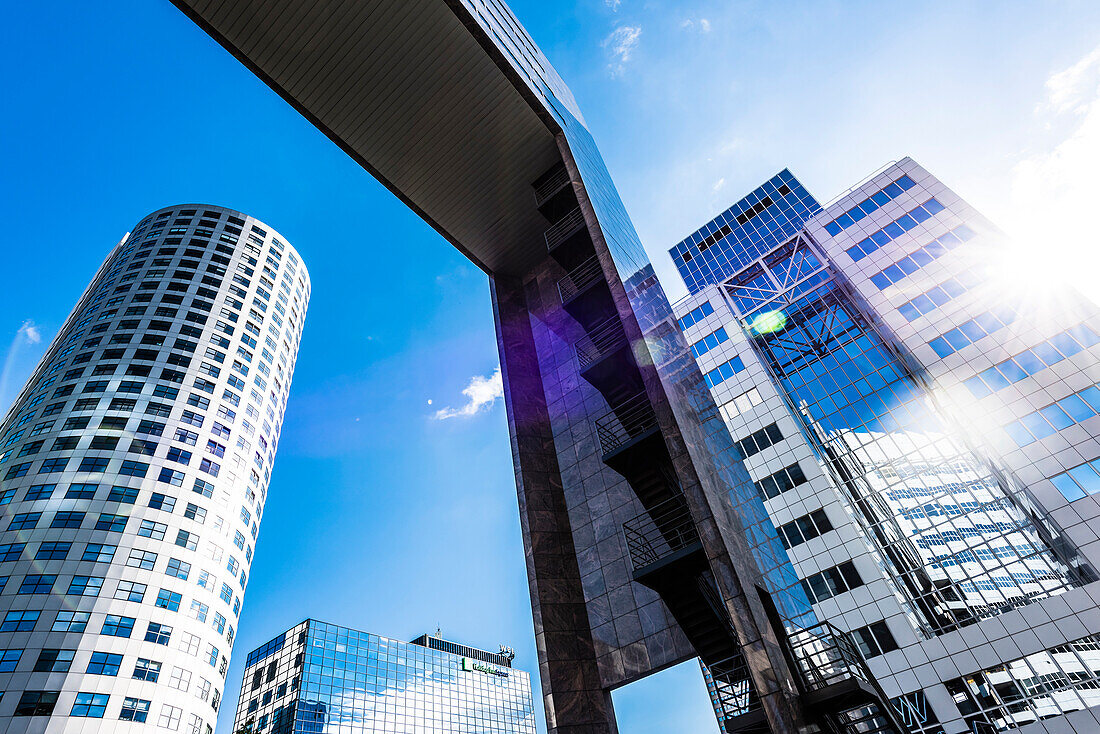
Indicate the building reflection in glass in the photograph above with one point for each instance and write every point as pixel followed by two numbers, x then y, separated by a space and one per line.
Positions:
pixel 328 679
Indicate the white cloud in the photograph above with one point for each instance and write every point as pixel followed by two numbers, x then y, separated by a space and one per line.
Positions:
pixel 718 185
pixel 613 4
pixel 621 43
pixel 481 393
pixel 29 332
pixel 702 25
pixel 1053 189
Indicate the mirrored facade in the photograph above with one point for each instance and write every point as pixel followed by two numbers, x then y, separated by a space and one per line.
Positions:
pixel 917 408
pixel 320 678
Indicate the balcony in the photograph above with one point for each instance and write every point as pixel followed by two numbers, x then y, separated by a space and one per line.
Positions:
pixel 580 279
pixel 563 229
pixel 738 707
pixel 549 185
pixel 660 535
pixel 626 424
pixel 604 340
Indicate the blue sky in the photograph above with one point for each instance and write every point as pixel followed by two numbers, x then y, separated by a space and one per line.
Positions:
pixel 382 515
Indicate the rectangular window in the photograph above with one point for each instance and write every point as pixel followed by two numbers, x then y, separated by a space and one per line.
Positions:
pixel 51 551
pixel 894 229
pixel 709 342
pixel 71 621
pixel 1054 417
pixel 99 553
pixel 158 633
pixel 177 568
pixel 760 440
pixel 117 626
pixel 51 660
pixel 831 582
pixel 104 663
pixel 90 705
pixel 111 523
pixel 169 600
pixel 723 372
pixel 85 585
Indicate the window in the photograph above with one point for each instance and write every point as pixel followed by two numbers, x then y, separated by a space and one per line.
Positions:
pixel 93 464
pixel 723 372
pixel 37 584
pixel 1033 360
pixel 98 553
pixel 874 639
pixel 133 469
pixel 1054 417
pixel 709 342
pixel 169 600
pixel 805 528
pixel 51 551
pixel 689 319
pixel 52 660
pixel 12 551
pixel 158 633
pixel 741 404
pixel 894 229
pixel 187 437
pixel 180 678
pixel 760 440
pixel 147 670
pixel 199 610
pixel 188 540
pixel 206 489
pixel 115 625
pixel 54 465
pixel 869 205
pixel 142 559
pixel 85 585
pixel 125 495
pixel 19 621
pixel 104 663
pixel 111 523
pixel 24 520
pixel 154 530
pixel 971 331
pixel 162 502
pixel 67 520
pixel 81 491
pixel 831 582
pixel 177 454
pixel 71 621
pixel 36 703
pixel 171 476
pixel 177 568
pixel 194 512
pixel 9 659
pixel 130 591
pixel 90 705
pixel 912 263
pixel 169 717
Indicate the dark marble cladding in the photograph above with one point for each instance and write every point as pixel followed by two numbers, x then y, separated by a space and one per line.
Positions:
pixel 575 700
pixel 598 501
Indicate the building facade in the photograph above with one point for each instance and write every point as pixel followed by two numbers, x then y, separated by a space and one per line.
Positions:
pixel 135 466
pixel 646 541
pixel 318 677
pixel 930 440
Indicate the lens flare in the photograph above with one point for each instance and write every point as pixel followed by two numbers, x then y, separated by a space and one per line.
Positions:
pixel 769 322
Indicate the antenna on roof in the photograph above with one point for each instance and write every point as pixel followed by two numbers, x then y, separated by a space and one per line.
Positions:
pixel 438 632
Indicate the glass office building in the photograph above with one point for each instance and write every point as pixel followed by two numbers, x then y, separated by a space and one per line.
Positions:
pixel 318 678
pixel 931 431
pixel 134 469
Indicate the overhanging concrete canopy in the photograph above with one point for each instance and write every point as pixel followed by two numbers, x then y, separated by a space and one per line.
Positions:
pixel 407 90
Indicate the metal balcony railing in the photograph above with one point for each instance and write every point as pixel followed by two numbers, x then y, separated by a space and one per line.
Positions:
pixel 826 655
pixel 604 339
pixel 659 532
pixel 579 278
pixel 552 185
pixel 563 229
pixel 733 688
pixel 630 419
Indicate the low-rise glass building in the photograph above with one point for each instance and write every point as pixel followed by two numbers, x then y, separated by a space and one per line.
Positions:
pixel 318 677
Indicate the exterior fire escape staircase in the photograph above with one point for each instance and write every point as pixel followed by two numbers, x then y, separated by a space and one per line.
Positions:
pixel 663 543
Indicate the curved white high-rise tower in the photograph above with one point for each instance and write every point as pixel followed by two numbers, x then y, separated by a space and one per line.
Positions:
pixel 134 469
